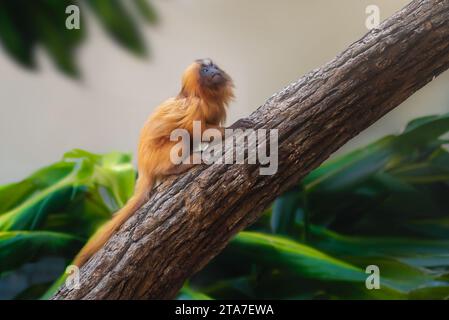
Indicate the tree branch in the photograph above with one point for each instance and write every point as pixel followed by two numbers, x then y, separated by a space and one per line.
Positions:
pixel 189 219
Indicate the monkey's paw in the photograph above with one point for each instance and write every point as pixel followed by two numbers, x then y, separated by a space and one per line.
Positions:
pixel 243 123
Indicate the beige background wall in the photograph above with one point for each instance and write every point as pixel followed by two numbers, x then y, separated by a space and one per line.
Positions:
pixel 263 44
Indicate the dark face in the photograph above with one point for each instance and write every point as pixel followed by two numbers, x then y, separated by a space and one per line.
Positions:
pixel 211 75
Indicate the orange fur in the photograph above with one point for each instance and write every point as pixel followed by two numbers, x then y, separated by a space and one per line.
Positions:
pixel 199 100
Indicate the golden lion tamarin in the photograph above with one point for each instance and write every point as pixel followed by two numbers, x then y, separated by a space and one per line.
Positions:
pixel 205 94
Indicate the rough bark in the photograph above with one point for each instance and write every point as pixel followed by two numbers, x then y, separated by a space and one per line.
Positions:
pixel 189 219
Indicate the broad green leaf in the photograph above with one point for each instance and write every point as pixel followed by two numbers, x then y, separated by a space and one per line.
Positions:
pixel 70 198
pixel 18 247
pixel 187 293
pixel 296 257
pixel 58 188
pixel 25 24
pixel 12 194
pixel 59 42
pixel 16 34
pixel 383 154
pixel 117 22
pixel 30 214
pixel 430 293
pixel 285 210
pixel 342 245
pixel 433 228
pixel 345 172
pixel 147 11
pixel 425 129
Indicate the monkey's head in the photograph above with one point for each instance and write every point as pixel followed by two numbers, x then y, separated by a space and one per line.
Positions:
pixel 205 79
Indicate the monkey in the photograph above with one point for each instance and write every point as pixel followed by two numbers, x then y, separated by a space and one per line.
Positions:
pixel 205 94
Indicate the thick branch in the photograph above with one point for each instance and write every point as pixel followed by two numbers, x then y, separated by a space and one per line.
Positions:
pixel 190 219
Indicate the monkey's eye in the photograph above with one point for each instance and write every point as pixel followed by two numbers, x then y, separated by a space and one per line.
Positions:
pixel 204 70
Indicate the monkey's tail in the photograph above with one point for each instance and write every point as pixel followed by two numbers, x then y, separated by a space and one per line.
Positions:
pixel 142 190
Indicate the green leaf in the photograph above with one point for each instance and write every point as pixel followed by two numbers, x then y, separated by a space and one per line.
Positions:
pixel 118 23
pixel 18 247
pixel 147 11
pixel 376 246
pixel 296 257
pixel 285 210
pixel 35 290
pixel 425 129
pixel 49 21
pixel 24 25
pixel 431 293
pixel 16 34
pixel 343 173
pixel 54 211
pixel 403 258
pixel 187 293
pixel 385 204
pixel 346 171
pixel 73 185
pixel 30 214
pixel 258 266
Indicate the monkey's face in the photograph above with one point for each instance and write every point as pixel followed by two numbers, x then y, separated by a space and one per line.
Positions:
pixel 211 76
pixel 206 79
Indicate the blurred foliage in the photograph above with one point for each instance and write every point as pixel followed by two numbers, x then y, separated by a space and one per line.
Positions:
pixel 56 209
pixel 385 204
pixel 27 24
